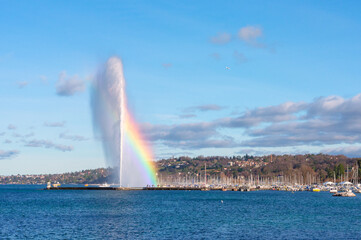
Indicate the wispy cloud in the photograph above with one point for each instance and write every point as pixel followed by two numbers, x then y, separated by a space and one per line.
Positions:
pixel 44 79
pixel 23 136
pixel 48 144
pixel 221 38
pixel 187 116
pixel 180 132
pixel 216 56
pixel 72 137
pixel 251 35
pixel 239 57
pixel 7 141
pixel 205 108
pixel 54 124
pixel 8 154
pixel 225 142
pixel 11 127
pixel 271 114
pixel 22 84
pixel 68 86
pixel 167 65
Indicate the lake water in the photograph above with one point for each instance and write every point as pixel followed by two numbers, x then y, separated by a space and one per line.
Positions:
pixel 26 212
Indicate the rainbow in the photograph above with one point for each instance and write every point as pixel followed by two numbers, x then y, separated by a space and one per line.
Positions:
pixel 141 148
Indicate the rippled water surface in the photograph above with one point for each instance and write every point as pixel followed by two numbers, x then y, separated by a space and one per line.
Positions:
pixel 27 212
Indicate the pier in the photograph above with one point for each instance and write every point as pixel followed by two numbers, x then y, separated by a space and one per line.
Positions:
pixel 176 188
pixel 126 189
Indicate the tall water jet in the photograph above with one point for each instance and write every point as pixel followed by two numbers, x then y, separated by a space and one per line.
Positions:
pixel 123 144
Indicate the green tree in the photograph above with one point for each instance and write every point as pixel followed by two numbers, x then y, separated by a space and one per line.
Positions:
pixel 340 170
pixel 359 167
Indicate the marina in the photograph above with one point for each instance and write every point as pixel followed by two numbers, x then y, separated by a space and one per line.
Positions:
pixel 213 183
pixel 342 189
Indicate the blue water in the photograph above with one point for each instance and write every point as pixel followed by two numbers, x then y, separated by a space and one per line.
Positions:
pixel 29 213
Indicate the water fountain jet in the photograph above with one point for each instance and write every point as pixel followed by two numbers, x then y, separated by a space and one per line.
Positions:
pixel 123 144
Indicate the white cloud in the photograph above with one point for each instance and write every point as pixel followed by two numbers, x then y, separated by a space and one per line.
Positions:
pixel 326 120
pixel 250 35
pixel 221 38
pixel 68 86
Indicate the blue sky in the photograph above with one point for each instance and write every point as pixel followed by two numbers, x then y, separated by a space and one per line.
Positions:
pixel 292 86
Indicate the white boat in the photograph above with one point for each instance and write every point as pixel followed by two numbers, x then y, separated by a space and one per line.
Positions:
pixel 357 190
pixel 347 193
pixel 104 185
pixel 333 190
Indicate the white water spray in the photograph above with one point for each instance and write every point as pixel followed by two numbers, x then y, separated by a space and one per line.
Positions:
pixel 122 124
pixel 108 105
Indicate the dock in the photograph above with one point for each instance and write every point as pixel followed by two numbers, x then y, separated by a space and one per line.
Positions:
pixel 134 189
pixel 94 188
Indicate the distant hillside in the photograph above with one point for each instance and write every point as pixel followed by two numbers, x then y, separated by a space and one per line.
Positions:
pixel 318 167
pixel 94 176
pixel 296 168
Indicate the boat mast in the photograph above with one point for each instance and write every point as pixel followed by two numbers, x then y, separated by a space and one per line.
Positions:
pixel 346 172
pixel 205 174
pixel 356 177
